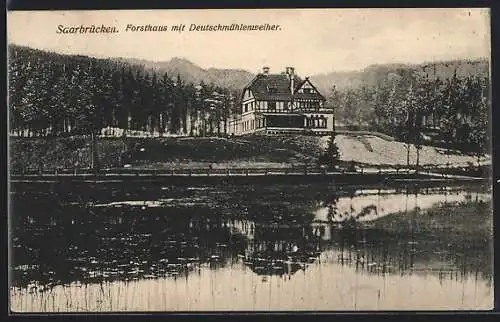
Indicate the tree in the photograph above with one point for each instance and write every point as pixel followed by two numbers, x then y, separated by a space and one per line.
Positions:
pixel 177 105
pixel 117 100
pixel 146 103
pixel 411 109
pixel 424 107
pixel 34 101
pixel 350 109
pixel 165 103
pixel 89 116
pixel 478 137
pixel 155 94
pixel 18 75
pixel 132 98
pixel 331 156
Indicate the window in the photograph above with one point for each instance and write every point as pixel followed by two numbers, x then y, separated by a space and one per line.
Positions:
pixel 322 121
pixel 310 122
pixel 307 90
pixel 271 106
pixel 316 121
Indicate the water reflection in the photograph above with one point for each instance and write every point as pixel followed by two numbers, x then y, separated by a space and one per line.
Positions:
pixel 273 232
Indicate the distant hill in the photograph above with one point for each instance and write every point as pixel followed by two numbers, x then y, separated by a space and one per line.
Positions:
pixel 370 76
pixel 236 79
pixel 373 74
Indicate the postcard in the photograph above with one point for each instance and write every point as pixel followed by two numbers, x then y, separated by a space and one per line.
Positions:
pixel 250 160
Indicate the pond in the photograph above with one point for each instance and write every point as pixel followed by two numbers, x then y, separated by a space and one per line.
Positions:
pixel 256 247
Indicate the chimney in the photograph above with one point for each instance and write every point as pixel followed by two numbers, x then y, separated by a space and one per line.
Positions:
pixel 265 70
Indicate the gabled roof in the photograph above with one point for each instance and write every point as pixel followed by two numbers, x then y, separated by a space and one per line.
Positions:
pixel 307 95
pixel 276 87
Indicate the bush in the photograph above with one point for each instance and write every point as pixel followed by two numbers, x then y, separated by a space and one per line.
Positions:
pixel 332 155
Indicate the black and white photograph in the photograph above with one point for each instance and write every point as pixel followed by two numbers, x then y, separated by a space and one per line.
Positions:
pixel 244 160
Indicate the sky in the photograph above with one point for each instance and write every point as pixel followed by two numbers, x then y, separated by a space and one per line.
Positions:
pixel 311 40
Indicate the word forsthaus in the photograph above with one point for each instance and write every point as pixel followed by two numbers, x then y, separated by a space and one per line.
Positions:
pixel 195 27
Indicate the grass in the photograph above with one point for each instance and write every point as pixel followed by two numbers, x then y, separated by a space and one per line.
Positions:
pixel 57 153
pixel 259 151
pixel 457 234
pixel 251 151
pixel 375 151
pixel 462 222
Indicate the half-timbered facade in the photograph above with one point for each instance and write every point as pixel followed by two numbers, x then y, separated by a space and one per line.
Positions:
pixel 282 103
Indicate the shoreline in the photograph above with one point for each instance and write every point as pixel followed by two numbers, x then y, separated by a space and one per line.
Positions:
pixel 185 178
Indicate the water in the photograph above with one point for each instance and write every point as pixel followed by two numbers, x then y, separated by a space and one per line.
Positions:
pixel 250 247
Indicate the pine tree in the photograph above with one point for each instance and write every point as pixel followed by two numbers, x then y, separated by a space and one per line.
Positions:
pixel 118 104
pixel 132 97
pixel 479 131
pixel 18 74
pixel 146 106
pixel 165 102
pixel 154 106
pixel 331 156
pixel 178 103
pixel 34 100
pixel 104 96
pixel 410 107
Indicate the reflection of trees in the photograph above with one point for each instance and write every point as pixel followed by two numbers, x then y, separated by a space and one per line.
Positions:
pixel 281 249
pixel 380 251
pixel 55 243
pixel 92 245
pixel 283 239
pixel 408 242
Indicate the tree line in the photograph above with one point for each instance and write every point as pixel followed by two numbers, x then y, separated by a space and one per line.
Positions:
pixel 58 95
pixel 417 108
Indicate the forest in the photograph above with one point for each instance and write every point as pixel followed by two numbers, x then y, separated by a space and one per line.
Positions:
pixel 417 108
pixel 62 95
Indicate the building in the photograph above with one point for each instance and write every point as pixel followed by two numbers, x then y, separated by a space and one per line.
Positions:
pixel 282 104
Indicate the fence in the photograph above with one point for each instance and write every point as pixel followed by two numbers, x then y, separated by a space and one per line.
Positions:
pixel 442 170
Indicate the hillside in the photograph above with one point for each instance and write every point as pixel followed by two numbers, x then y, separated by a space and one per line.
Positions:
pixel 190 73
pixel 374 74
pixel 233 79
pixel 370 76
pixel 236 79
pixel 373 150
pixel 239 152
